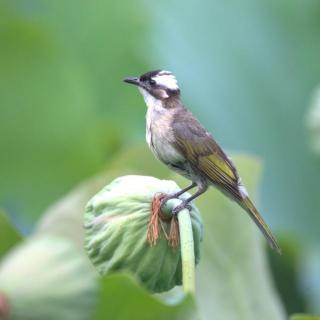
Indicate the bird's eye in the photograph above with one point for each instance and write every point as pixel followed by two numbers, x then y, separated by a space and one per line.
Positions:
pixel 152 82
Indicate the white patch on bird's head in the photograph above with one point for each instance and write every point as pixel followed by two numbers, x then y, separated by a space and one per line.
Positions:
pixel 166 79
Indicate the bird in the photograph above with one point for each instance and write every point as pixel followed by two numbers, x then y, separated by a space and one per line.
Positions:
pixel 178 139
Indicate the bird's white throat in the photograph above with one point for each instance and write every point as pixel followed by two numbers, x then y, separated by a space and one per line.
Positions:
pixel 150 100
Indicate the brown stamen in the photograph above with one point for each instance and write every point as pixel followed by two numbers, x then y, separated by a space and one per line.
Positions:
pixel 174 233
pixel 156 219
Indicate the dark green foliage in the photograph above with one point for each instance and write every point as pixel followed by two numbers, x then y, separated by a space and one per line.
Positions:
pixel 9 236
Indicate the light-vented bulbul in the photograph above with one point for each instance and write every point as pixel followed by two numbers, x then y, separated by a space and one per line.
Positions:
pixel 181 142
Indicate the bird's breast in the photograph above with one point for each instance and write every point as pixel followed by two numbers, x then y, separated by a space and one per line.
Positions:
pixel 160 137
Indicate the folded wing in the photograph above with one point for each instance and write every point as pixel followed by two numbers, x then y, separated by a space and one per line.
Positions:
pixel 197 145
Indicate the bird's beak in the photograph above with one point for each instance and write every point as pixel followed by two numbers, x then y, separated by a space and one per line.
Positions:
pixel 132 80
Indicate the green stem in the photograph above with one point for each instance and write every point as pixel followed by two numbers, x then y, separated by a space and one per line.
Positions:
pixel 186 244
pixel 187 251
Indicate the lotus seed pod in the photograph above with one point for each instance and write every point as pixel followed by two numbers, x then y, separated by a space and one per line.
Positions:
pixel 47 278
pixel 116 222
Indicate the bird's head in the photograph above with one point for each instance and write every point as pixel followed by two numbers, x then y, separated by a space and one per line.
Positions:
pixel 159 85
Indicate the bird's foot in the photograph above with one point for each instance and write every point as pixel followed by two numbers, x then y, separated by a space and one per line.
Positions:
pixel 181 206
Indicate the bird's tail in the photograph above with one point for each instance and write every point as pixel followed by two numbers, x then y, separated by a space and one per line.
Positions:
pixel 256 217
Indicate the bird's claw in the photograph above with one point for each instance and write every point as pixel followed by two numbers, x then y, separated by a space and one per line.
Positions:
pixel 177 209
pixel 181 206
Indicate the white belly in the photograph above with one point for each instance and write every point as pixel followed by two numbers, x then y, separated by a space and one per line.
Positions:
pixel 160 138
pixel 164 151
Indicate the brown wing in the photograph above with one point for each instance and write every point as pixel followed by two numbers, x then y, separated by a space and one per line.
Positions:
pixel 198 146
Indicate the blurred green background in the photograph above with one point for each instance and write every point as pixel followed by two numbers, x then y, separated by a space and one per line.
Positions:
pixel 247 69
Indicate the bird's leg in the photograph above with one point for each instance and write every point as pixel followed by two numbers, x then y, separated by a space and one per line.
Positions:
pixel 185 203
pixel 179 193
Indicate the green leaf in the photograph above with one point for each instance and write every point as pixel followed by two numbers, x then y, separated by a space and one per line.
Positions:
pixel 297 288
pixel 9 235
pixel 233 277
pixel 138 159
pixel 309 279
pixel 304 317
pixel 46 277
pixel 122 299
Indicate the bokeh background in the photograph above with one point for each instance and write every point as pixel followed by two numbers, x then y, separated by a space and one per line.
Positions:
pixel 249 70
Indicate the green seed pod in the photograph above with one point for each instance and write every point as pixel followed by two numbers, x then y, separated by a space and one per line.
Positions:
pixel 116 222
pixel 47 278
